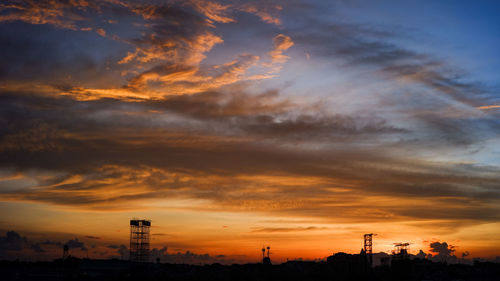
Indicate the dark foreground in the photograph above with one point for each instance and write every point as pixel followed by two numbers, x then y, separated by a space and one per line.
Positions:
pixel 77 269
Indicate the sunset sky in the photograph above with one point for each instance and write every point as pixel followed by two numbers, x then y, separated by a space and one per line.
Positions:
pixel 231 125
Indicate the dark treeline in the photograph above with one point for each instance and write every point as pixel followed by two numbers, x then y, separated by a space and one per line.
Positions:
pixel 85 269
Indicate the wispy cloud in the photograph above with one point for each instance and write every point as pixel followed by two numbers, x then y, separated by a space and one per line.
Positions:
pixel 267 12
pixel 288 229
pixel 281 44
pixel 488 107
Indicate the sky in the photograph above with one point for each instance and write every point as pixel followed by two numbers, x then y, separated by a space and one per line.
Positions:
pixel 231 125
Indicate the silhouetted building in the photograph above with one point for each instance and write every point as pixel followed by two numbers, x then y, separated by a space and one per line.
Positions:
pixel 402 266
pixel 139 240
pixel 65 251
pixel 345 264
pixel 99 270
pixel 385 261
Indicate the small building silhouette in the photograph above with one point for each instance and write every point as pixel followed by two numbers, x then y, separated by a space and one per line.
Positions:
pixel 345 264
pixel 65 251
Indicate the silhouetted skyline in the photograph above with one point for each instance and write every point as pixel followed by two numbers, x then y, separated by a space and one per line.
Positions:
pixel 13 246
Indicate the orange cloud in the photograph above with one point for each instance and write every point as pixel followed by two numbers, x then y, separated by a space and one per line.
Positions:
pixel 101 32
pixel 177 80
pixel 488 107
pixel 88 94
pixel 266 13
pixel 57 13
pixel 188 51
pixel 281 44
pixel 212 10
pixel 164 60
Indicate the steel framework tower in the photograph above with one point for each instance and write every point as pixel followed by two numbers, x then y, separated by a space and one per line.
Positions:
pixel 368 248
pixel 139 240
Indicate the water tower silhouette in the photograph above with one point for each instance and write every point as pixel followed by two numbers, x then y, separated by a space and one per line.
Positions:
pixel 266 260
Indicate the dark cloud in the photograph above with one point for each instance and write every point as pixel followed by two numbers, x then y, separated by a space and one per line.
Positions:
pixel 62 14
pixel 33 122
pixel 123 251
pixel 53 243
pixel 115 144
pixel 76 244
pixel 457 130
pixel 37 248
pixel 12 241
pixel 190 258
pixel 265 115
pixel 187 257
pixel 444 252
pixel 219 105
pixel 36 54
pixel 13 245
pixel 442 248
